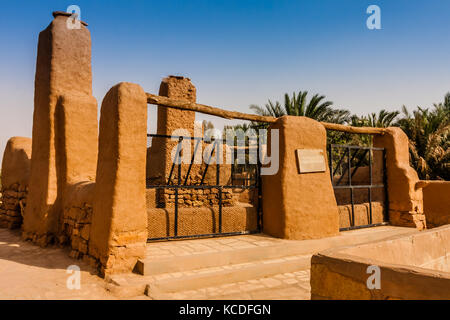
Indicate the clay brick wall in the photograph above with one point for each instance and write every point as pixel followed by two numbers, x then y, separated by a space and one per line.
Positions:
pixel 436 203
pixel 15 176
pixel 299 206
pixel 405 200
pixel 13 201
pixel 77 220
pixel 62 147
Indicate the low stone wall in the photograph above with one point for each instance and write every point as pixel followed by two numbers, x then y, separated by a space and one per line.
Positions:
pixel 77 220
pixel 203 220
pixel 436 203
pixel 12 205
pixel 197 197
pixel 343 196
pixel 362 214
pixel 414 266
pixel 15 176
pixel 77 223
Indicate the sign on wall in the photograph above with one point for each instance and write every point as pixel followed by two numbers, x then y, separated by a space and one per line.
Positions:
pixel 310 160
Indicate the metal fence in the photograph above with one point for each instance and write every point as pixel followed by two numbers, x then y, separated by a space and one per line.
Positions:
pixel 345 161
pixel 243 177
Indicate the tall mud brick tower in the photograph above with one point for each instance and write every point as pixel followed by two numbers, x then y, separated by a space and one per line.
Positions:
pixel 63 90
pixel 170 121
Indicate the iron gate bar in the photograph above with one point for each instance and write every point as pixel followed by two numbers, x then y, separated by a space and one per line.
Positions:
pixel 177 155
pixel 348 165
pixel 196 186
pixel 360 186
pixel 360 160
pixel 154 135
pixel 330 162
pixel 347 146
pixel 192 161
pixel 365 226
pixel 339 163
pixel 258 182
pixel 206 235
pixel 209 160
pixel 386 194
pixel 350 183
pixel 253 183
pixel 369 187
pixel 218 183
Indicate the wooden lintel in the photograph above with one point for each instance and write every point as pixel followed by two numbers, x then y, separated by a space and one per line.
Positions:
pixel 191 106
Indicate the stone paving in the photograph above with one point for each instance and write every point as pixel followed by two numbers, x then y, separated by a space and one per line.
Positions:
pixel 177 248
pixel 168 249
pixel 232 267
pixel 285 286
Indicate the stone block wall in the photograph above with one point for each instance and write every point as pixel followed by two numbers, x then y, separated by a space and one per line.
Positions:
pixel 77 219
pixel 361 214
pixel 15 175
pixel 197 198
pixel 77 223
pixel 12 205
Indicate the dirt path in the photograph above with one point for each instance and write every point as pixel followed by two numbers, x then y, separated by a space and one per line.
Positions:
pixel 30 272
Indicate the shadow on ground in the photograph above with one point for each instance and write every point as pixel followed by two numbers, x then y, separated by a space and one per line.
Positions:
pixel 12 248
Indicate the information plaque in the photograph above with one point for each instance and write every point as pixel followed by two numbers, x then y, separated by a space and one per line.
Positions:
pixel 310 160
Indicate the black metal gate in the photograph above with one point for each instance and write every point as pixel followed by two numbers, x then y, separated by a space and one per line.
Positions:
pixel 355 169
pixel 243 177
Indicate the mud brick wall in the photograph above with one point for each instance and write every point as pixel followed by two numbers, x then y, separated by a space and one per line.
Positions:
pixel 361 213
pixel 405 200
pixel 197 197
pixel 12 204
pixel 77 226
pixel 436 201
pixel 14 184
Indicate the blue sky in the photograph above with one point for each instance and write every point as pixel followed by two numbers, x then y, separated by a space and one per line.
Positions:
pixel 243 52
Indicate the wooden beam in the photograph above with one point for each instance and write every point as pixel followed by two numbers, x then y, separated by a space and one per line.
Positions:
pixel 350 129
pixel 191 106
pixel 186 105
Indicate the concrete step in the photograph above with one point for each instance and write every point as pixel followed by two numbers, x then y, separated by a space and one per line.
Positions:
pixel 215 276
pixel 293 285
pixel 262 248
pixel 226 280
pixel 151 266
pixel 240 267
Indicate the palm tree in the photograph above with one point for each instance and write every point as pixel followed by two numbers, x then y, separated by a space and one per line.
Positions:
pixel 270 109
pixel 316 108
pixel 384 119
pixel 444 105
pixel 297 105
pixel 429 144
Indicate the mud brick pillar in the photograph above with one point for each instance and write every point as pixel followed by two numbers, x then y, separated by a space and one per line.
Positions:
pixel 405 198
pixel 119 221
pixel 299 205
pixel 63 77
pixel 169 119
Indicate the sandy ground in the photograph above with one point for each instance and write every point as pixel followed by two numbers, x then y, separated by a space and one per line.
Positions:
pixel 30 272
